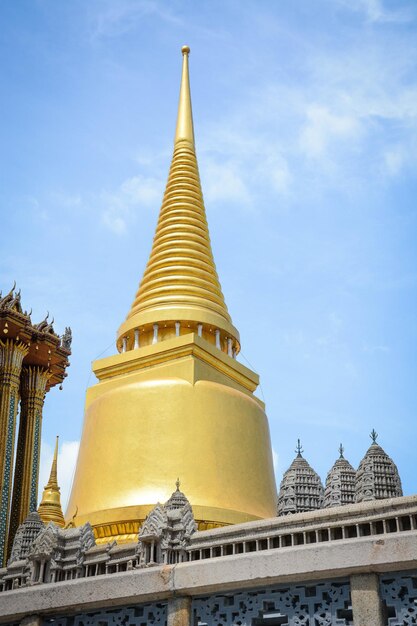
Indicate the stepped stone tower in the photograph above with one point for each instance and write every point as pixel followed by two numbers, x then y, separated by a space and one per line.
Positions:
pixel 301 489
pixel 174 401
pixel 377 476
pixel 25 536
pixel 340 483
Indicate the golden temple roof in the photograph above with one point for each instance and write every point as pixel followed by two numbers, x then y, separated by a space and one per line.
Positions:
pixel 180 282
pixel 50 508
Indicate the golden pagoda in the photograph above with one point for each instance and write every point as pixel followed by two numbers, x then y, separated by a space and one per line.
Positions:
pixel 174 401
pixel 50 507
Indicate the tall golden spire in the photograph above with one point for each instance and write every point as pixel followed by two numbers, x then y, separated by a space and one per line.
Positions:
pixel 50 508
pixel 175 402
pixel 180 284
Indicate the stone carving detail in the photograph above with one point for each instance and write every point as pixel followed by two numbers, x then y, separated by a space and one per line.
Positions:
pixel 12 301
pixel 44 554
pixel 66 339
pixel 166 532
pixel 142 615
pixel 377 476
pixel 340 483
pixel 301 488
pixel 324 604
pixel 46 327
pixel 25 536
pixel 87 540
pixel 56 551
pixel 399 593
pixel 45 543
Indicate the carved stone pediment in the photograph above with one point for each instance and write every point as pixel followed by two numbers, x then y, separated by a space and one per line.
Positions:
pixel 154 524
pixel 45 544
pixel 87 539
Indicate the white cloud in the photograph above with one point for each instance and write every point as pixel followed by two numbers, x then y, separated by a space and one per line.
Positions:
pixel 67 458
pixel 275 460
pixel 142 190
pixel 375 11
pixel 66 200
pixel 223 181
pixel 134 193
pixel 114 222
pixel 276 169
pixel 347 115
pixel 394 160
pixel 323 127
pixel 381 349
pixel 122 16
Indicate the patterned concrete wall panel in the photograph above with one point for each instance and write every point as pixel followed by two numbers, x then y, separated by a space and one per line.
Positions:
pixel 143 615
pixel 399 594
pixel 323 604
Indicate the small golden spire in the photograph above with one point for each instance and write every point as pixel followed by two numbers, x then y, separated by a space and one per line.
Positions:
pixel 50 508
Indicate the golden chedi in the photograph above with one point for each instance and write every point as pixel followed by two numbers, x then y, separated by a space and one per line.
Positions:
pixel 50 507
pixel 175 402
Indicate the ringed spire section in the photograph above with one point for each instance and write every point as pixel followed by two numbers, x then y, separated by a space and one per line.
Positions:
pixel 180 291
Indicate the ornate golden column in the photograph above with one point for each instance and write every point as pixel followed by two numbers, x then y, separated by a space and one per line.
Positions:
pixel 33 383
pixel 12 353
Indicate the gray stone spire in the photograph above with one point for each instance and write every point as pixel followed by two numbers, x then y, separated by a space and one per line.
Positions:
pixel 377 476
pixel 340 483
pixel 177 500
pixel 25 535
pixel 166 532
pixel 301 488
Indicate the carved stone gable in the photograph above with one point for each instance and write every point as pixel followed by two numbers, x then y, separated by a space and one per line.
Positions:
pixel 45 543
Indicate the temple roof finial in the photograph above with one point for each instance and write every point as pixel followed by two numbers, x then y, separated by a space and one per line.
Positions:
pixel 177 484
pixel 50 508
pixel 185 127
pixel 299 448
pixel 373 435
pixel 341 450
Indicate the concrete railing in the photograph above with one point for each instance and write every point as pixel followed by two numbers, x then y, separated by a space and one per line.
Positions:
pixel 316 529
pixel 374 518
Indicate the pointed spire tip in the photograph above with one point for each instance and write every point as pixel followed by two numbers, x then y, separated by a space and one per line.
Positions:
pixel 299 449
pixel 373 435
pixel 185 128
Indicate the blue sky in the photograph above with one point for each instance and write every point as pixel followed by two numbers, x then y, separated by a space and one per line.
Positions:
pixel 305 120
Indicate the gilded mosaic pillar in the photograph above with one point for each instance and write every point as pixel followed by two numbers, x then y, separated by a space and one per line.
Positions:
pixel 12 354
pixel 25 485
